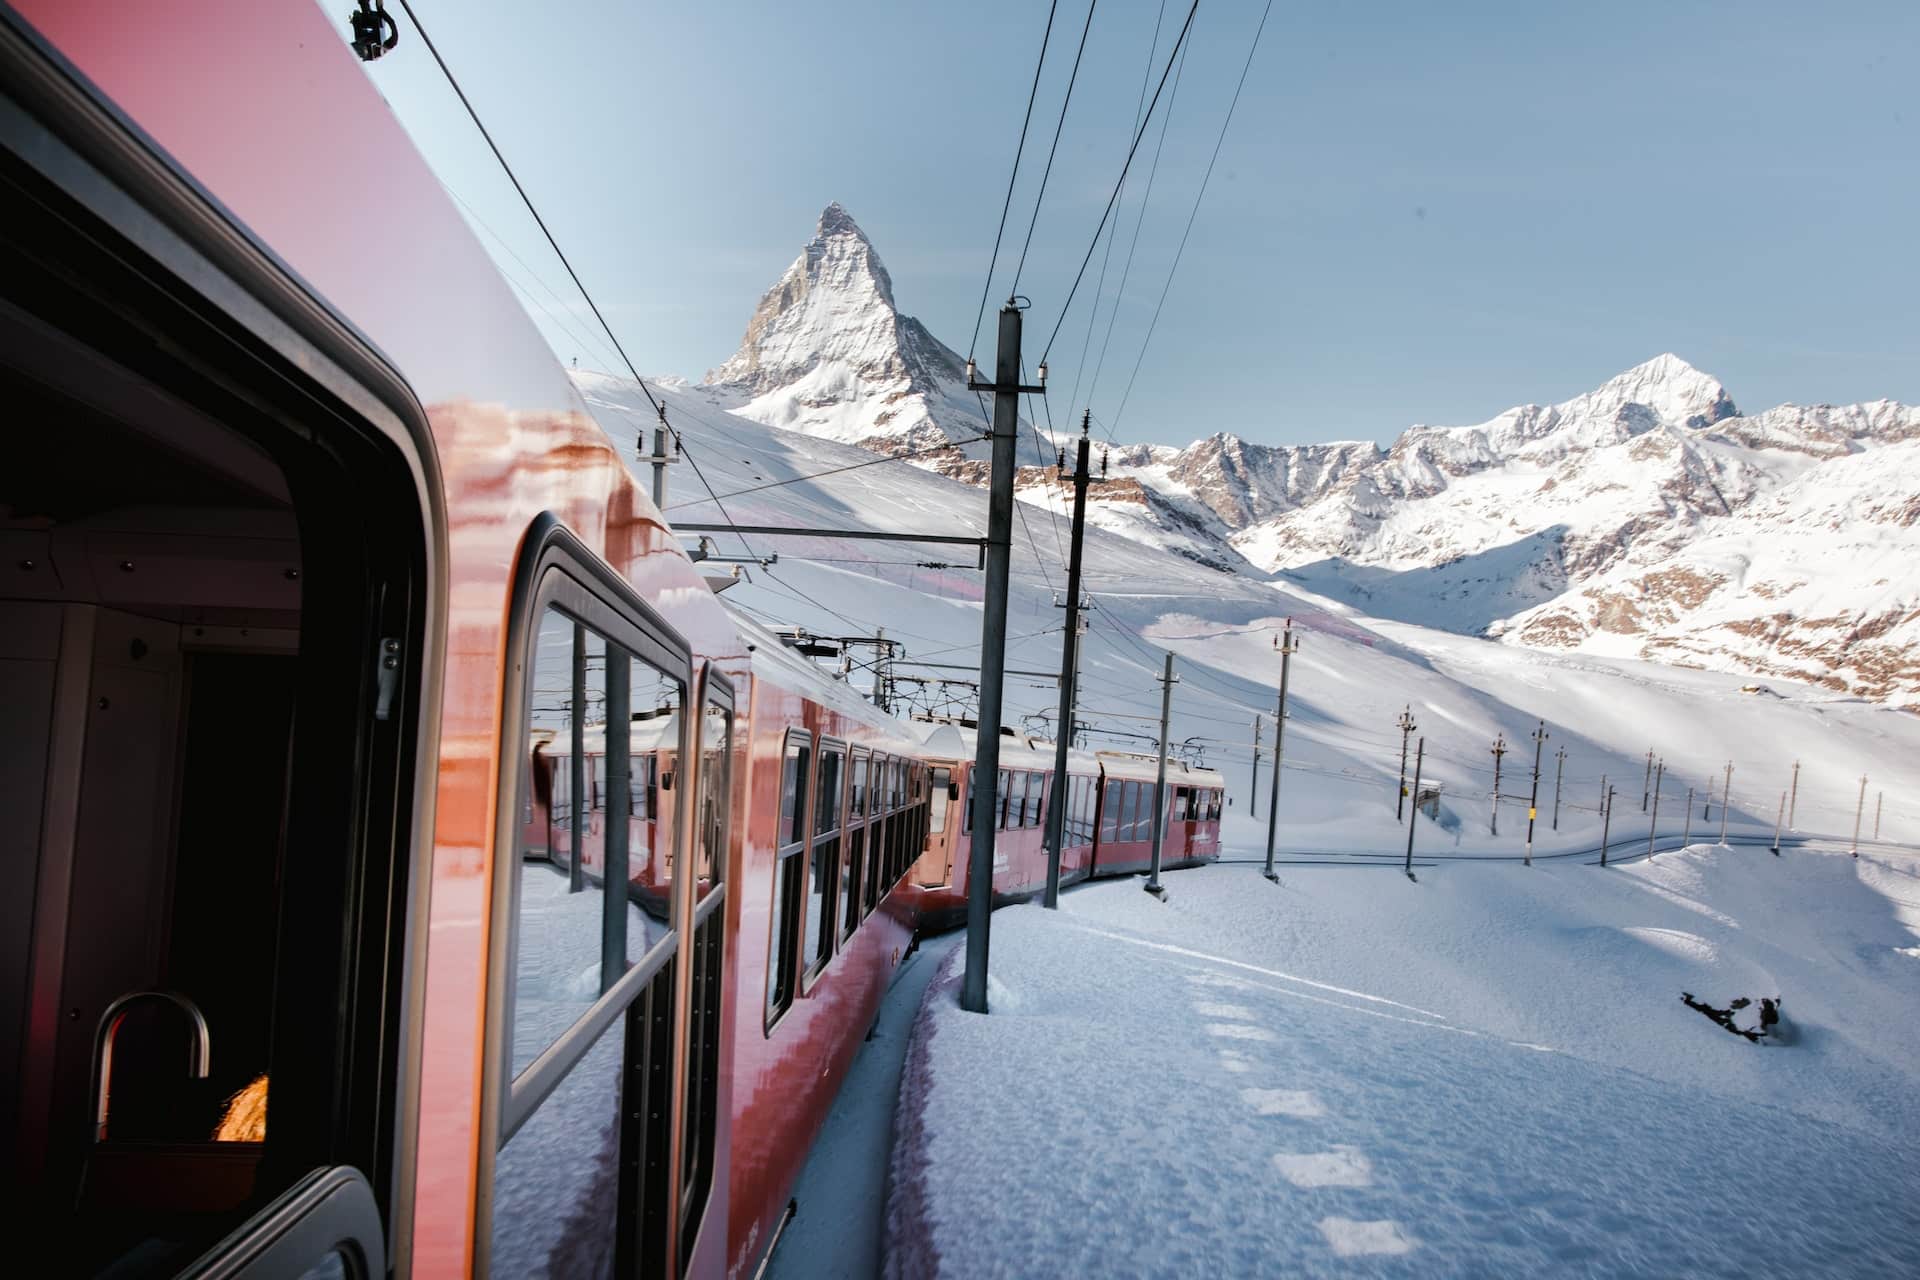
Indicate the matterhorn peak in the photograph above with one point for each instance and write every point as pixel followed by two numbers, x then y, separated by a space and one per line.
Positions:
pixel 827 352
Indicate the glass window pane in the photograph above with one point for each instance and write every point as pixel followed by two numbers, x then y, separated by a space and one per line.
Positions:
pixel 557 939
pixel 556 1183
pixel 858 803
pixel 822 862
pixel 653 732
pixel 826 800
pixel 793 816
pixel 716 763
pixel 937 817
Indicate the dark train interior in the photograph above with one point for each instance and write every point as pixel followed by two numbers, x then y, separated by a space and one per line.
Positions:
pixel 190 853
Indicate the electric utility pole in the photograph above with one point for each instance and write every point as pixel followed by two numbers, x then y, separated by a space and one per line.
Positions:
pixel 660 459
pixel 1606 823
pixel 1255 791
pixel 1686 827
pixel 1778 818
pixel 1559 768
pixel 1726 801
pixel 1879 800
pixel 1500 748
pixel 1419 758
pixel 1533 800
pixel 1407 726
pixel 1653 823
pixel 1858 809
pixel 1167 681
pixel 1287 646
pixel 1793 796
pixel 1006 390
pixel 1069 671
pixel 1647 787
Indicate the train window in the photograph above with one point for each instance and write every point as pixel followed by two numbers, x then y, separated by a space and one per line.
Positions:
pixel 853 844
pixel 783 942
pixel 823 859
pixel 937 816
pixel 966 808
pixel 1002 796
pixel 589 939
pixel 591 898
pixel 1110 812
pixel 874 872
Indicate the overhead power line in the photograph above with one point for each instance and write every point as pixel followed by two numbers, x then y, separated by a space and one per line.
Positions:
pixel 993 262
pixel 560 253
pixel 1200 195
pixel 1139 133
pixel 1047 172
pixel 831 471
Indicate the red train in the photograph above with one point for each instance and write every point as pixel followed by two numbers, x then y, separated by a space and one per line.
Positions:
pixel 1108 829
pixel 379 767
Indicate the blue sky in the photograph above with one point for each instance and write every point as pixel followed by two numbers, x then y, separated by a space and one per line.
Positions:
pixel 1422 212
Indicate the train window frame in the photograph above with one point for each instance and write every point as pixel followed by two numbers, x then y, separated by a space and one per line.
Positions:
pixel 558 571
pixel 783 930
pixel 562 585
pixel 853 843
pixel 834 838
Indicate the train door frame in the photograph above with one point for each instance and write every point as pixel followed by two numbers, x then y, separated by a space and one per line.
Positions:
pixel 703 948
pixel 225 318
pixel 556 570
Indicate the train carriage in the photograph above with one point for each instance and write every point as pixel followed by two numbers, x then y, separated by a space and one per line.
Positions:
pixel 413 867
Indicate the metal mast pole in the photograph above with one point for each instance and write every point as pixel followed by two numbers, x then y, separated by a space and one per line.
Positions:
pixel 1653 823
pixel 1533 800
pixel 1559 769
pixel 1793 794
pixel 1726 801
pixel 1160 781
pixel 1407 726
pixel 1069 672
pixel 1419 759
pixel 1499 749
pixel 1255 791
pixel 1288 645
pixel 1779 818
pixel 1647 786
pixel 1879 802
pixel 1686 828
pixel 1859 809
pixel 1606 823
pixel 1006 390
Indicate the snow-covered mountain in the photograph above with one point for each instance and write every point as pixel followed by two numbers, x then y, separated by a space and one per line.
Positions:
pixel 828 354
pixel 1647 517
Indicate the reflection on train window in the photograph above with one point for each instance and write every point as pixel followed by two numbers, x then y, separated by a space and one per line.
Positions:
pixel 823 859
pixel 853 850
pixel 716 760
pixel 596 716
pixel 567 1154
pixel 783 941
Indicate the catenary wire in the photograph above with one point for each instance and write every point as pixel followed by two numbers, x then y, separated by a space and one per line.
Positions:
pixel 1047 172
pixel 994 261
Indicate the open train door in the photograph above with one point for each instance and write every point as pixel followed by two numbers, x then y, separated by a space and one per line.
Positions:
pixel 218 601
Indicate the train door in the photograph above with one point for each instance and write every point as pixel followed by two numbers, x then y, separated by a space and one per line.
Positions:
pixel 215 615
pixel 587 989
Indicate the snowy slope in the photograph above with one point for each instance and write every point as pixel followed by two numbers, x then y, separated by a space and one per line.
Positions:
pixel 1350 680
pixel 1488 1072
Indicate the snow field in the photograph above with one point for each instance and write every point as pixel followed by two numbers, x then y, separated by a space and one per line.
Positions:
pixel 1488 1072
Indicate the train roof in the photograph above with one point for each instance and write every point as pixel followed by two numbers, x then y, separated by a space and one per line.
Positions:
pixel 773 659
pixel 1143 768
pixel 1017 750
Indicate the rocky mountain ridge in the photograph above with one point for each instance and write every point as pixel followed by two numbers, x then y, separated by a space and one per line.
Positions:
pixel 1646 517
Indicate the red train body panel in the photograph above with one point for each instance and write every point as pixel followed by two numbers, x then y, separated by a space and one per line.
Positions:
pixel 317 468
